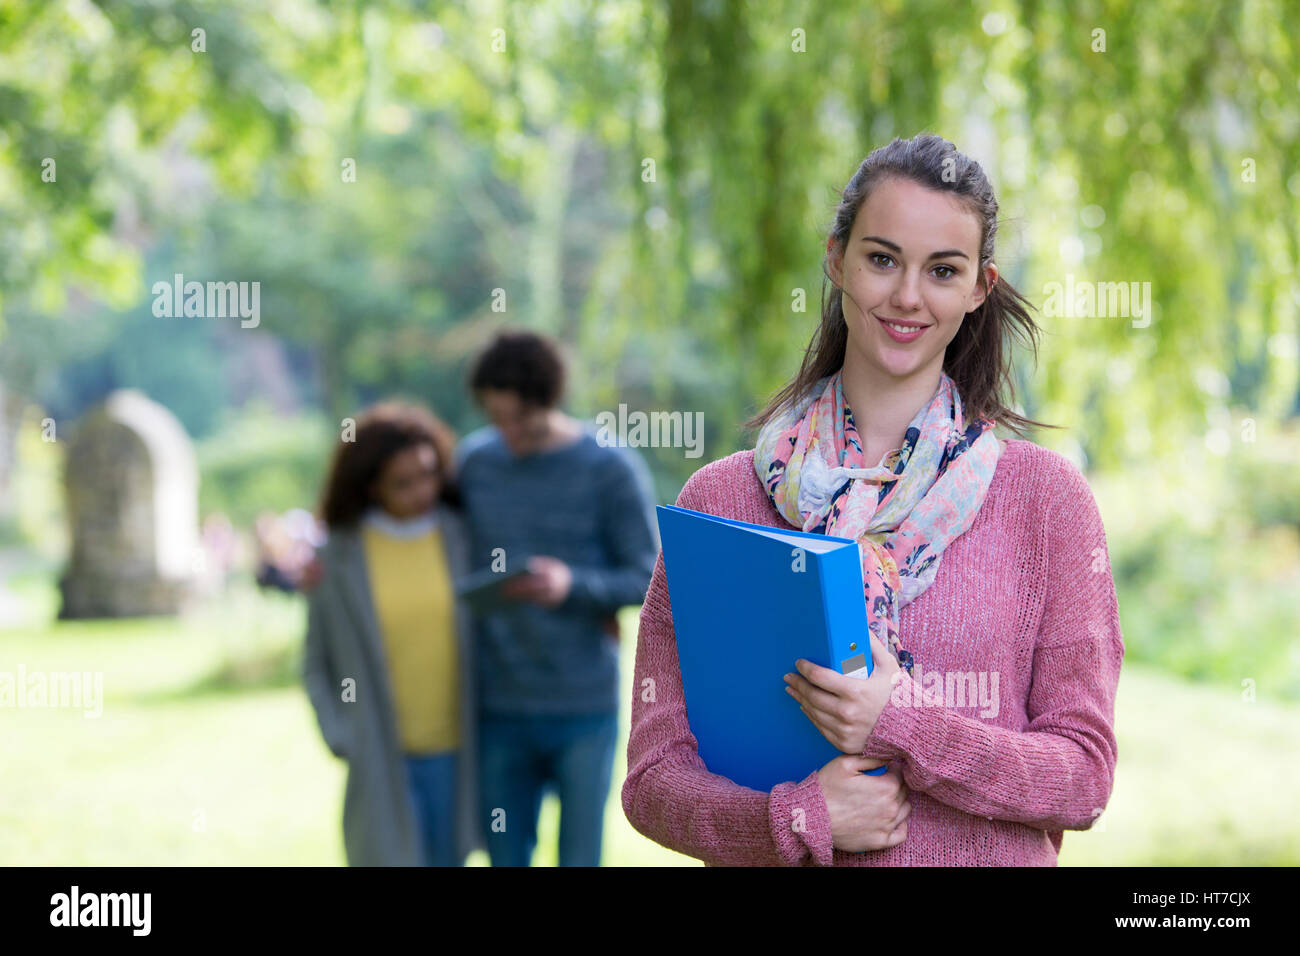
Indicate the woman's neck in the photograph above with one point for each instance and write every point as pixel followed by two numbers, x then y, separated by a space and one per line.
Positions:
pixel 883 406
pixel 383 520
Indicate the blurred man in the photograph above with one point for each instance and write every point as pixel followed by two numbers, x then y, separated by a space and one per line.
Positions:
pixel 541 493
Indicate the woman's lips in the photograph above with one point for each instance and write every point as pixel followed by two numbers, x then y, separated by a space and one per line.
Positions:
pixel 898 336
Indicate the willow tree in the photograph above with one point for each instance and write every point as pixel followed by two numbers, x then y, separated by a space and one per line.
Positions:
pixel 1129 143
pixel 652 181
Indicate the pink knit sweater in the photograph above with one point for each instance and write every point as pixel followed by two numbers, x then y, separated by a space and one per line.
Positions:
pixel 1024 596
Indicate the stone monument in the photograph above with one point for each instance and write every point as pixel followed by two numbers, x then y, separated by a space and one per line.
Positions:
pixel 131 484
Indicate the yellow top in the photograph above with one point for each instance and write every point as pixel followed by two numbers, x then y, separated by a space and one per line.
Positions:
pixel 410 584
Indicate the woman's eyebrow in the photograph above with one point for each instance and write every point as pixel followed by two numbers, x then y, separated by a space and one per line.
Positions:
pixel 897 248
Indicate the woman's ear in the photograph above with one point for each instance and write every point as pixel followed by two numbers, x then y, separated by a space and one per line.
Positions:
pixel 983 289
pixel 834 263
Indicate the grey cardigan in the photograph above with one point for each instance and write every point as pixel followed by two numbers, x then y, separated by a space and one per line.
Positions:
pixel 380 827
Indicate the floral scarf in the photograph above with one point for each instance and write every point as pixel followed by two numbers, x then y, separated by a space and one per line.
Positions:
pixel 903 512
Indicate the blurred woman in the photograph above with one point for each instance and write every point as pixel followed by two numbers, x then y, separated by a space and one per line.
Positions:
pixel 388 655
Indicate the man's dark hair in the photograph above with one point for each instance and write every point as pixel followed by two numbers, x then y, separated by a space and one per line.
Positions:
pixel 528 364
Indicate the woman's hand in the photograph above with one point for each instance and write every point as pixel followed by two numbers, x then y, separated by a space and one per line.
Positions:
pixel 844 709
pixel 866 812
pixel 311 575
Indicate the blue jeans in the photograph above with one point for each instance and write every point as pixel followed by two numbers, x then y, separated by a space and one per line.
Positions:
pixel 519 757
pixel 432 779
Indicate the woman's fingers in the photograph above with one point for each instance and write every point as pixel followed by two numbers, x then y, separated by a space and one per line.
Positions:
pixel 812 698
pixel 903 813
pixel 886 662
pixel 899 835
pixel 809 693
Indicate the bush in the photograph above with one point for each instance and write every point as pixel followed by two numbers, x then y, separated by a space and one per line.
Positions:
pixel 262 461
pixel 1207 565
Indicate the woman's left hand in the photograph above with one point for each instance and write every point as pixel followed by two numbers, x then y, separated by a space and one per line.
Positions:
pixel 844 709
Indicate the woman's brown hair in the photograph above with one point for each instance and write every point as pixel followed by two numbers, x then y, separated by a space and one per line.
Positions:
pixel 382 431
pixel 977 359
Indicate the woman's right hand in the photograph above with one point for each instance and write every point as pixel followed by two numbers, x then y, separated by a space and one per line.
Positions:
pixel 866 812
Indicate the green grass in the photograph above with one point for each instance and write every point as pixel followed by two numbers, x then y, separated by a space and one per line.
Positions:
pixel 207 753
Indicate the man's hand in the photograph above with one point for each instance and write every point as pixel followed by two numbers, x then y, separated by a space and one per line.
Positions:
pixel 547 582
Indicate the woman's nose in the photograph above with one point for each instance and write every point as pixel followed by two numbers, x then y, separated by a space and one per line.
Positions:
pixel 907 293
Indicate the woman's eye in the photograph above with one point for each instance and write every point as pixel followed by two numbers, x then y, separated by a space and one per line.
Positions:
pixel 876 258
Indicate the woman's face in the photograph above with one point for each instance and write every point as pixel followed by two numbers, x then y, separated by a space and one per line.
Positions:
pixel 912 256
pixel 408 485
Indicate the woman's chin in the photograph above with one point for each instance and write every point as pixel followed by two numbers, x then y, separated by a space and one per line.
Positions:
pixel 894 360
pixel 900 363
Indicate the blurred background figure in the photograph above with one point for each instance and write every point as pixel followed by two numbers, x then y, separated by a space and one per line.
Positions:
pixel 389 661
pixel 306 535
pixel 540 491
pixel 275 552
pixel 286 547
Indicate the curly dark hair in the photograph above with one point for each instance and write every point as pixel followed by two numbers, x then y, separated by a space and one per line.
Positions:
pixel 382 431
pixel 528 364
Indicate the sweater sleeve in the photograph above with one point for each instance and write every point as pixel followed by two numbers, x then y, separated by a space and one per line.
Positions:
pixel 631 539
pixel 672 798
pixel 319 674
pixel 1057 773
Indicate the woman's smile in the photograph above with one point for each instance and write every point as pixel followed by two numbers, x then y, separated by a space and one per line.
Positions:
pixel 902 330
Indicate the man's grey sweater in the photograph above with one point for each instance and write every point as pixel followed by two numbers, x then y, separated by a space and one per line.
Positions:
pixel 592 507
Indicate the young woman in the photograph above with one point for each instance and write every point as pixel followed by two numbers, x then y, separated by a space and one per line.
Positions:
pixel 994 624
pixel 388 666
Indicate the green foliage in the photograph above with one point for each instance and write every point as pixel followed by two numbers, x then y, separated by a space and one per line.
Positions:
pixel 1270 491
pixel 261 461
pixel 1207 569
pixel 1214 608
pixel 104 91
pixel 526 168
pixel 37 518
